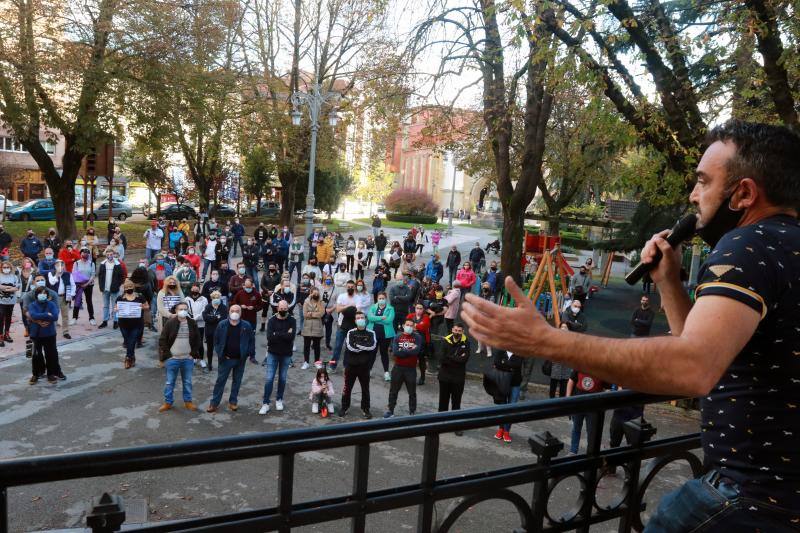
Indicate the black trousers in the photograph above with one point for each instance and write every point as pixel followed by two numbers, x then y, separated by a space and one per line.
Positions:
pixel 450 394
pixel 6 311
pixel 45 356
pixel 561 385
pixel 423 359
pixel 350 262
pixel 308 342
pixel 210 351
pixel 87 302
pixel 383 349
pixel 359 272
pixel 351 374
pixel 403 375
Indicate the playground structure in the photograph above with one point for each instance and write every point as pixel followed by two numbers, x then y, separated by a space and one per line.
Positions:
pixel 545 250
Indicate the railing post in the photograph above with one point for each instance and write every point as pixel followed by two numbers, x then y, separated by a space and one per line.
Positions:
pixel 107 514
pixel 594 441
pixel 430 462
pixel 358 523
pixel 286 476
pixel 637 432
pixel 545 446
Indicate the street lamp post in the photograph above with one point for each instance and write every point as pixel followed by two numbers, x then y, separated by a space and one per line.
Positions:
pixel 315 100
pixel 452 197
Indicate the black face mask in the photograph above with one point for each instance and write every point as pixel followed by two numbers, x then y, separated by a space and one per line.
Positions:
pixel 351 291
pixel 283 313
pixel 723 221
pixel 129 291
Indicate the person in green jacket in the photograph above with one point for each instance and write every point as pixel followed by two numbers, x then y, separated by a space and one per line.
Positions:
pixel 380 319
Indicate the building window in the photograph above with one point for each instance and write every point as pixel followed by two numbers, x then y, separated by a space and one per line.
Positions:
pixel 9 144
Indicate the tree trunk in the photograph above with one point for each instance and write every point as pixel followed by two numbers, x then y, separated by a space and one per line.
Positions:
pixel 512 236
pixel 258 204
pixel 554 224
pixel 289 184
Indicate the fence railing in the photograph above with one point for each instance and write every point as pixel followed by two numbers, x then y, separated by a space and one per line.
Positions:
pixel 545 470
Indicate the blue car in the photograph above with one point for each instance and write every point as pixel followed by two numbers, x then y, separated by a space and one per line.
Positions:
pixel 32 210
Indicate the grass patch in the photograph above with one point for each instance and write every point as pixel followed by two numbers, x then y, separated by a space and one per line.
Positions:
pixel 401 225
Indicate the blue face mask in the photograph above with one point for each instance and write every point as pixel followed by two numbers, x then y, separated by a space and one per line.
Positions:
pixel 41 297
pixel 160 262
pixel 216 301
pixel 361 322
pixel 248 289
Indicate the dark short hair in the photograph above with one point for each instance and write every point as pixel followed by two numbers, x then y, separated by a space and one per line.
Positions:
pixel 765 153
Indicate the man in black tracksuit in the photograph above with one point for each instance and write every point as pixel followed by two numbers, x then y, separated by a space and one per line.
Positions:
pixel 406 348
pixel 359 349
pixel 453 369
pixel 453 263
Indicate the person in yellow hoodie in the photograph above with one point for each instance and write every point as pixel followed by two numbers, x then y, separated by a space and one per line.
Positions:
pixel 325 250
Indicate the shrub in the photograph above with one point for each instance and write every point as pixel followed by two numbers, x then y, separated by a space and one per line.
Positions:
pixel 412 219
pixel 410 202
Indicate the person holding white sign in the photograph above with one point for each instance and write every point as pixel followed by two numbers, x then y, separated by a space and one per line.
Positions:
pixel 129 309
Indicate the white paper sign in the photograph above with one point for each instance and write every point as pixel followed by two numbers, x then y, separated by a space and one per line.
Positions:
pixel 129 309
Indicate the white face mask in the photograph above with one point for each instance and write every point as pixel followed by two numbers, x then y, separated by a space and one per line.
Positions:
pixel 183 313
pixel 234 316
pixel 575 309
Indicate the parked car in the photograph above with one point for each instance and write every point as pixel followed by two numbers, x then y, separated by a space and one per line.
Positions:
pixel 3 203
pixel 41 209
pixel 222 211
pixel 269 208
pixel 119 210
pixel 175 212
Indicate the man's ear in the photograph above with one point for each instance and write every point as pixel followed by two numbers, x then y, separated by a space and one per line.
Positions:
pixel 746 195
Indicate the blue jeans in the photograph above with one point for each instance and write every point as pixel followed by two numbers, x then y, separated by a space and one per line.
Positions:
pixel 338 345
pixel 252 271
pixel 174 367
pixel 513 398
pixel 224 368
pixel 208 264
pixel 150 254
pixel 237 240
pixel 154 309
pixel 273 363
pixel 131 337
pixel 577 425
pixel 378 257
pixel 109 299
pixel 711 504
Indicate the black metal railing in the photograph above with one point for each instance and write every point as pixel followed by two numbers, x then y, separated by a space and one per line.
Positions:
pixel 545 471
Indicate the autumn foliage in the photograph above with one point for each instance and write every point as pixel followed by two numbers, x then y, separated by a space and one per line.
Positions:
pixel 410 202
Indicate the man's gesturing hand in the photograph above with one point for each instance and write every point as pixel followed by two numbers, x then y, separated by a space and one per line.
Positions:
pixel 668 269
pixel 520 329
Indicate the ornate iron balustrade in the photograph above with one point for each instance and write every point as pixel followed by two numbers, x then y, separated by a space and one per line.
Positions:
pixel 545 471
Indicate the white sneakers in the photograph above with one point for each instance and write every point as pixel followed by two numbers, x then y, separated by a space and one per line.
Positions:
pixel 264 409
pixel 318 364
pixel 92 322
pixel 72 321
pixel 279 405
pixel 315 408
pixel 203 363
pixel 304 366
pixel 330 407
pixel 387 376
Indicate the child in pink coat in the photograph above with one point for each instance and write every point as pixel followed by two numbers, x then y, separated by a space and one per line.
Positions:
pixel 321 388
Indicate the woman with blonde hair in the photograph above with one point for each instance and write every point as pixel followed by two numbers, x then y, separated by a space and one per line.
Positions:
pixel 91 242
pixel 130 308
pixel 9 288
pixel 168 297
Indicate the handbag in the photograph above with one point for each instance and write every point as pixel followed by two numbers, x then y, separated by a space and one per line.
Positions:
pixel 547 368
pixel 497 384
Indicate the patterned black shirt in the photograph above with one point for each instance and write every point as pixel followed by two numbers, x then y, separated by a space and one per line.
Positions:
pixel 751 419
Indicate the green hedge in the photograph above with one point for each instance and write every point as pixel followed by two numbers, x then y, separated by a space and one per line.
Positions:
pixel 578 244
pixel 413 219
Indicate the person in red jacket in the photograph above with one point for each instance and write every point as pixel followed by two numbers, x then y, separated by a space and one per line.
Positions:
pixel 406 348
pixel 194 260
pixel 250 301
pixel 69 255
pixel 466 276
pixel 422 324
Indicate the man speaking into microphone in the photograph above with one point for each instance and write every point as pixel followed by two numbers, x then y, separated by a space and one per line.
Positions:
pixel 737 347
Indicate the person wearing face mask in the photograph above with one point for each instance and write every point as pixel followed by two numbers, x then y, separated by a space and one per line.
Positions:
pixel 194 260
pixel 406 348
pixel 363 298
pixel 283 293
pixel 52 241
pixel 131 308
pixel 579 285
pixel 325 250
pixel 400 296
pixel 281 331
pixel 453 370
pixel 92 242
pixel 327 293
pixel 197 303
pixel 380 245
pixel 268 253
pixel 110 277
pixel 5 243
pixel 381 280
pixel 453 298
pixel 341 277
pixel 60 282
pixel 209 250
pixel 642 319
pixel 144 283
pixel 434 269
pixel 185 274
pixel 494 278
pixel 31 247
pixel 360 345
pixel 437 309
pixel 178 345
pixel 312 328
pixel 215 284
pixel 154 237
pixel 346 307
pixel 453 262
pixel 302 292
pixel 281 245
pixel 213 314
pixel 380 318
pixel 238 231
pixel 312 266
pixel 9 287
pixel 260 234
pixel 26 275
pixel 329 268
pixel 43 313
pixel 466 277
pixel 168 297
pixel 47 264
pixel 84 272
pixel 270 284
pixel 69 255
pixel 250 301
pixel 250 256
pixel 223 250
pixel 225 275
pixel 360 260
pixel 237 280
pixel 422 324
pixel 296 255
pixel 574 317
pixel 234 343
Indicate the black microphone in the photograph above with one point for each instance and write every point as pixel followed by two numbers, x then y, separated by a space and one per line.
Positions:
pixel 684 229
